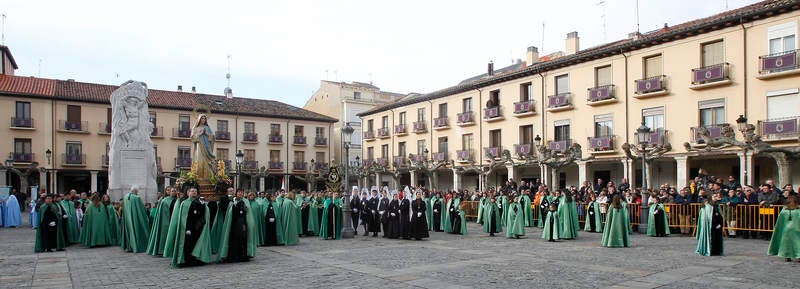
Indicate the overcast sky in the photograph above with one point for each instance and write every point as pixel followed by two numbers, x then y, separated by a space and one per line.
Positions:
pixel 281 49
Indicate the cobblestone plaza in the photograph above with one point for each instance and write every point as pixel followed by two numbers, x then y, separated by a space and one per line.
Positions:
pixel 443 261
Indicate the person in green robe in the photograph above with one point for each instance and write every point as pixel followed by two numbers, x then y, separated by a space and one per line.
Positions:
pixel 238 242
pixel 273 230
pixel 290 218
pixel 657 224
pixel 113 219
pixel 331 227
pixel 151 215
pixel 302 212
pixel 615 233
pixel 261 205
pixel 189 237
pixel 502 205
pixel 49 234
pixel 73 234
pixel 481 205
pixel 258 214
pixel 458 219
pixel 451 213
pixel 551 223
pixel 316 202
pixel 527 211
pixel 463 215
pixel 219 220
pixel 491 217
pixel 161 221
pixel 785 241
pixel 567 216
pixel 710 241
pixel 428 210
pixel 594 222
pixel 96 224
pixel 135 231
pixel 515 223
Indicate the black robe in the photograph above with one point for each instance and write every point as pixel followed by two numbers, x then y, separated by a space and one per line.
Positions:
pixel 49 233
pixel 195 223
pixel 405 220
pixel 659 217
pixel 437 215
pixel 393 226
pixel 716 232
pixel 366 214
pixel 212 212
pixel 237 244
pixel 355 207
pixel 383 206
pixel 544 204
pixel 419 222
pixel 591 219
pixel 271 232
pixel 374 224
pixel 455 218
pixel 304 213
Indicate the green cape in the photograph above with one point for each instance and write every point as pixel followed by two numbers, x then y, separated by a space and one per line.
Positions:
pixel 176 234
pixel 556 224
pixel 515 223
pixel 337 207
pixel 463 216
pixel 60 241
pixel 598 220
pixel 487 213
pixel 504 202
pixel 446 214
pixel 134 228
pixel 290 220
pixel 160 226
pixel 298 202
pixel 73 230
pixel 615 233
pixel 278 221
pixel 481 204
pixel 703 231
pixel 222 253
pixel 260 205
pixel 651 221
pixel 313 215
pixel 113 222
pixel 428 212
pixel 525 203
pixel 568 219
pixel 97 227
pixel 785 240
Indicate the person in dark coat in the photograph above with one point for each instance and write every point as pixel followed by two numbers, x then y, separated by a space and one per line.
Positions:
pixel 405 218
pixel 419 223
pixel 374 224
pixel 393 230
pixel 355 207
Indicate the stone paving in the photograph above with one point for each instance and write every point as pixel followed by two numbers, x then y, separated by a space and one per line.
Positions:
pixel 443 261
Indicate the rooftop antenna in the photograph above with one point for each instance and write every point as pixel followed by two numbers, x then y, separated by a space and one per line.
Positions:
pixel 3 16
pixel 636 10
pixel 326 75
pixel 542 46
pixel 603 17
pixel 39 73
pixel 370 78
pixel 726 5
pixel 336 75
pixel 116 74
pixel 228 90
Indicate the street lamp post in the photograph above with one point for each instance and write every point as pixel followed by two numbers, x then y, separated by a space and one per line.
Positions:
pixel 643 135
pixel 239 159
pixel 741 122
pixel 347 228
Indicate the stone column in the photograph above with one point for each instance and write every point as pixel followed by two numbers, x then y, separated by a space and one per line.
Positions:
pixel 582 172
pixel 543 175
pixel 288 180
pixel 554 177
pixel 54 189
pixel 262 182
pixel 94 180
pixel 784 171
pixel 377 180
pixel 682 171
pixel 511 173
pixel 626 170
pixel 746 166
pixel 42 179
pixel 413 178
pixel 456 180
pixel 3 180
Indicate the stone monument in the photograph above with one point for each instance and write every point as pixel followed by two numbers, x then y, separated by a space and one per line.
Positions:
pixel 131 156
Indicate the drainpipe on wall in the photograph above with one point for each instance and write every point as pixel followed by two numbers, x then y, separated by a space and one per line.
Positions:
pixel 481 180
pixel 627 116
pixel 744 54
pixel 286 167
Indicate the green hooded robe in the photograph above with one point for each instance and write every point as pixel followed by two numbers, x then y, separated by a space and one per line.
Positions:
pixel 331 216
pixel 278 221
pixel 504 208
pixel 489 210
pixel 260 207
pixel 515 223
pixel 593 213
pixel 568 219
pixel 60 240
pixel 481 204
pixel 160 226
pixel 113 220
pixel 446 214
pixel 704 231
pixel 552 216
pixel 222 252
pixel 135 231
pixel 97 227
pixel 290 220
pixel 73 230
pixel 525 203
pixel 615 233
pixel 176 236
pixel 313 215
pixel 428 212
pixel 298 202
pixel 651 221
pixel 785 240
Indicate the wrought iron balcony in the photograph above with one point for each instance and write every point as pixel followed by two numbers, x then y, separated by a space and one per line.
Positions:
pixel 440 156
pixel 601 143
pixel 299 140
pixel 250 137
pixel 523 149
pixel 778 62
pixel 158 131
pixel 382 161
pixel 493 113
pixel 601 94
pixel 183 162
pixel 399 161
pixel 321 166
pixel 525 107
pixel 464 156
pixel 367 162
pixel 657 137
pixel 321 141
pixel 181 133
pixel 23 157
pixel 223 135
pixel 274 165
pixel 440 122
pixel 492 152
pixel 383 132
pixel 369 135
pixel 717 73
pixel 73 126
pixel 651 86
pixel 714 131
pixel 418 158
pixel 275 138
pixel 399 129
pixel 20 122
pixel 558 102
pixel 559 146
pixel 298 166
pixel 779 129
pixel 73 159
pixel 104 128
pixel 249 165
pixel 465 118
pixel 420 126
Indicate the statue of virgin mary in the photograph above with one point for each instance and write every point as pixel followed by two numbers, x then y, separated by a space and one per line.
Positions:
pixel 203 140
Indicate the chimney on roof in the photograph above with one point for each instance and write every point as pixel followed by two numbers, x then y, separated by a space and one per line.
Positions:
pixel 228 92
pixel 194 89
pixel 180 88
pixel 573 43
pixel 490 69
pixel 634 35
pixel 532 56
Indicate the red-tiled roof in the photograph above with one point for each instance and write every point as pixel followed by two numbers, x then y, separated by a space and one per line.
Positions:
pixel 100 93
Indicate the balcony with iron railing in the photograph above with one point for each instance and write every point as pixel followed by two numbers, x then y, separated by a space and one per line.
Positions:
pixel 652 86
pixel 104 128
pixel 525 108
pixel 714 131
pixel 778 65
pixel 382 161
pixel 440 123
pixel 21 123
pixel 158 132
pixel 601 144
pixel 440 156
pixel 275 165
pixel 321 166
pixel 523 149
pixel 559 102
pixel 73 160
pixel 367 162
pixel 181 133
pixel 400 129
pixel 299 140
pixel 657 137
pixel 73 126
pixel 183 162
pixel 493 152
pixel 222 135
pixel 275 139
pixel 23 157
pixel 418 158
pixel 320 141
pixel 491 114
pixel 600 95
pixel 249 137
pixel 369 135
pixel 465 118
pixel 383 132
pixel 710 76
pixel 298 166
pixel 250 165
pixel 399 161
pixel 420 126
pixel 559 146
pixel 464 156
pixel 779 129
